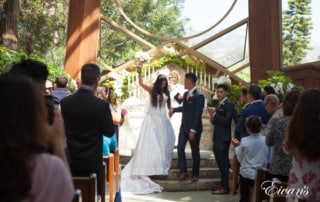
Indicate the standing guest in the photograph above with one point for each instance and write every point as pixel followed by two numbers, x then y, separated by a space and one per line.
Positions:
pixel 274 109
pixel 61 90
pixel 191 127
pixel 154 150
pixel 221 118
pixel 27 172
pixel 254 108
pixel 245 103
pixel 49 87
pixel 116 111
pixel 176 95
pixel 251 153
pixel 86 118
pixel 302 142
pixel 267 90
pixel 280 162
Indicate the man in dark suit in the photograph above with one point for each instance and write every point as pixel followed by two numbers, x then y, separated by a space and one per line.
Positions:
pixel 221 118
pixel 254 108
pixel 191 127
pixel 86 119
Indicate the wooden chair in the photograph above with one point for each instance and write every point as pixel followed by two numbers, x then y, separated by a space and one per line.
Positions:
pixel 234 176
pixel 88 187
pixel 117 168
pixel 109 160
pixel 77 196
pixel 262 175
pixel 103 182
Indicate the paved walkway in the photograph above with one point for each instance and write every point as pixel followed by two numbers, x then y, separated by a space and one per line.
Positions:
pixel 194 196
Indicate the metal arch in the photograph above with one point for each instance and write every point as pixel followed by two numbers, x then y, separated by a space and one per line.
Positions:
pixel 168 38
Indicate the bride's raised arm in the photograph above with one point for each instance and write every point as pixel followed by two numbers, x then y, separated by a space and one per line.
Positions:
pixel 144 86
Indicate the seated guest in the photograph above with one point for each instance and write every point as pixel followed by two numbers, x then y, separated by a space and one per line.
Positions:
pixel 251 153
pixel 280 162
pixel 27 172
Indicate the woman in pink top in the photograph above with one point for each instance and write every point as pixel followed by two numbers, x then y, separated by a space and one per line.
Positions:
pixel 303 142
pixel 27 173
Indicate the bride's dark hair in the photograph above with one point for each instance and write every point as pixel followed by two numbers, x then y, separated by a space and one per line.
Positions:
pixel 156 90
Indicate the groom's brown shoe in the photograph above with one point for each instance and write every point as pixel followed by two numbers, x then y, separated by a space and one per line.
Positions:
pixel 194 179
pixel 183 176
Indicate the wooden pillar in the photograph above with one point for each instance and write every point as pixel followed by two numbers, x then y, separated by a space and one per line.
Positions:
pixel 264 37
pixel 82 35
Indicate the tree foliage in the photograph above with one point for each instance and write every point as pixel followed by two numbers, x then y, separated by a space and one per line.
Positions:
pixel 296 28
pixel 160 17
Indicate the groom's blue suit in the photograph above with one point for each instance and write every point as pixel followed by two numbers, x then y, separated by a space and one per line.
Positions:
pixel 191 120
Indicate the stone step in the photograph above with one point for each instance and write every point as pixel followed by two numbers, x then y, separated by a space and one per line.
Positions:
pixel 187 185
pixel 205 172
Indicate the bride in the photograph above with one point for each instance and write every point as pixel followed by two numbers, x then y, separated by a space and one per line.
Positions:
pixel 154 149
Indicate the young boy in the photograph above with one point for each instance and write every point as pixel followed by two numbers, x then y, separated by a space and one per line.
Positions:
pixel 251 153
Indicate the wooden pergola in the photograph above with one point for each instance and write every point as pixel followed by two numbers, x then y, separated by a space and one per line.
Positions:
pixel 264 41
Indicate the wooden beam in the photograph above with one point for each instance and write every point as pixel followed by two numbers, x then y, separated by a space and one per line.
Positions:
pixel 82 35
pixel 127 32
pixel 264 37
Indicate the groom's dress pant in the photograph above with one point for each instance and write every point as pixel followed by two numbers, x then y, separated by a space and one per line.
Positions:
pixel 195 151
pixel 221 151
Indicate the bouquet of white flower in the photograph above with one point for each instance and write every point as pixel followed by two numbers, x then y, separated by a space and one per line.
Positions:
pixel 142 57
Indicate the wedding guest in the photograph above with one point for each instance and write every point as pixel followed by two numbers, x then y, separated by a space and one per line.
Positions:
pixel 280 162
pixel 251 153
pixel 267 90
pixel 302 142
pixel 86 119
pixel 221 118
pixel 254 108
pixel 272 106
pixel 61 90
pixel 28 172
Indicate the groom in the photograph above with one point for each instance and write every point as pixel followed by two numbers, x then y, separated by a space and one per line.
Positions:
pixel 191 126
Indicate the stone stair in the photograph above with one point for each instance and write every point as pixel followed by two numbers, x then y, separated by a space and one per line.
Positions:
pixel 209 173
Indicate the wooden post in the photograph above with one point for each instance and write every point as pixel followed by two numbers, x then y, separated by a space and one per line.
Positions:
pixel 82 36
pixel 264 37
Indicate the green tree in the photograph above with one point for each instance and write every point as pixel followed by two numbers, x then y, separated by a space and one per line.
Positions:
pixel 41 29
pixel 9 10
pixel 160 17
pixel 296 28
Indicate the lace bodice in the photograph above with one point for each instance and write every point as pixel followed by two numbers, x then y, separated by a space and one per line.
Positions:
pixel 159 111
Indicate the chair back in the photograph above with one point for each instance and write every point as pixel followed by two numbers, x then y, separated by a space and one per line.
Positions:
pixel 77 196
pixel 262 175
pixel 88 187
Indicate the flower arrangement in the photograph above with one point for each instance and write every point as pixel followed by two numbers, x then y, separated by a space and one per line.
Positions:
pixel 142 57
pixel 279 81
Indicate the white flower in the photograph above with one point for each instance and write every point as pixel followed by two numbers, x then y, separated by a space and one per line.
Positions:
pixel 224 80
pixel 142 56
pixel 289 86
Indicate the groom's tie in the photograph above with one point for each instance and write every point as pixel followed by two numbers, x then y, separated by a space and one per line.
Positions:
pixel 188 95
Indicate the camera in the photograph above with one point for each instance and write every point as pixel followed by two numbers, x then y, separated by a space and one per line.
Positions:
pixel 50 105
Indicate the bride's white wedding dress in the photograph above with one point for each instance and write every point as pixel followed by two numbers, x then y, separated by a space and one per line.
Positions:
pixel 153 152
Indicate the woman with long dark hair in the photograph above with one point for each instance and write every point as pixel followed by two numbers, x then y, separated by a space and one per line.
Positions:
pixel 27 171
pixel 154 150
pixel 302 142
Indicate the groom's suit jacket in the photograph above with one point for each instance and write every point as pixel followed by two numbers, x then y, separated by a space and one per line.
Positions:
pixel 191 112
